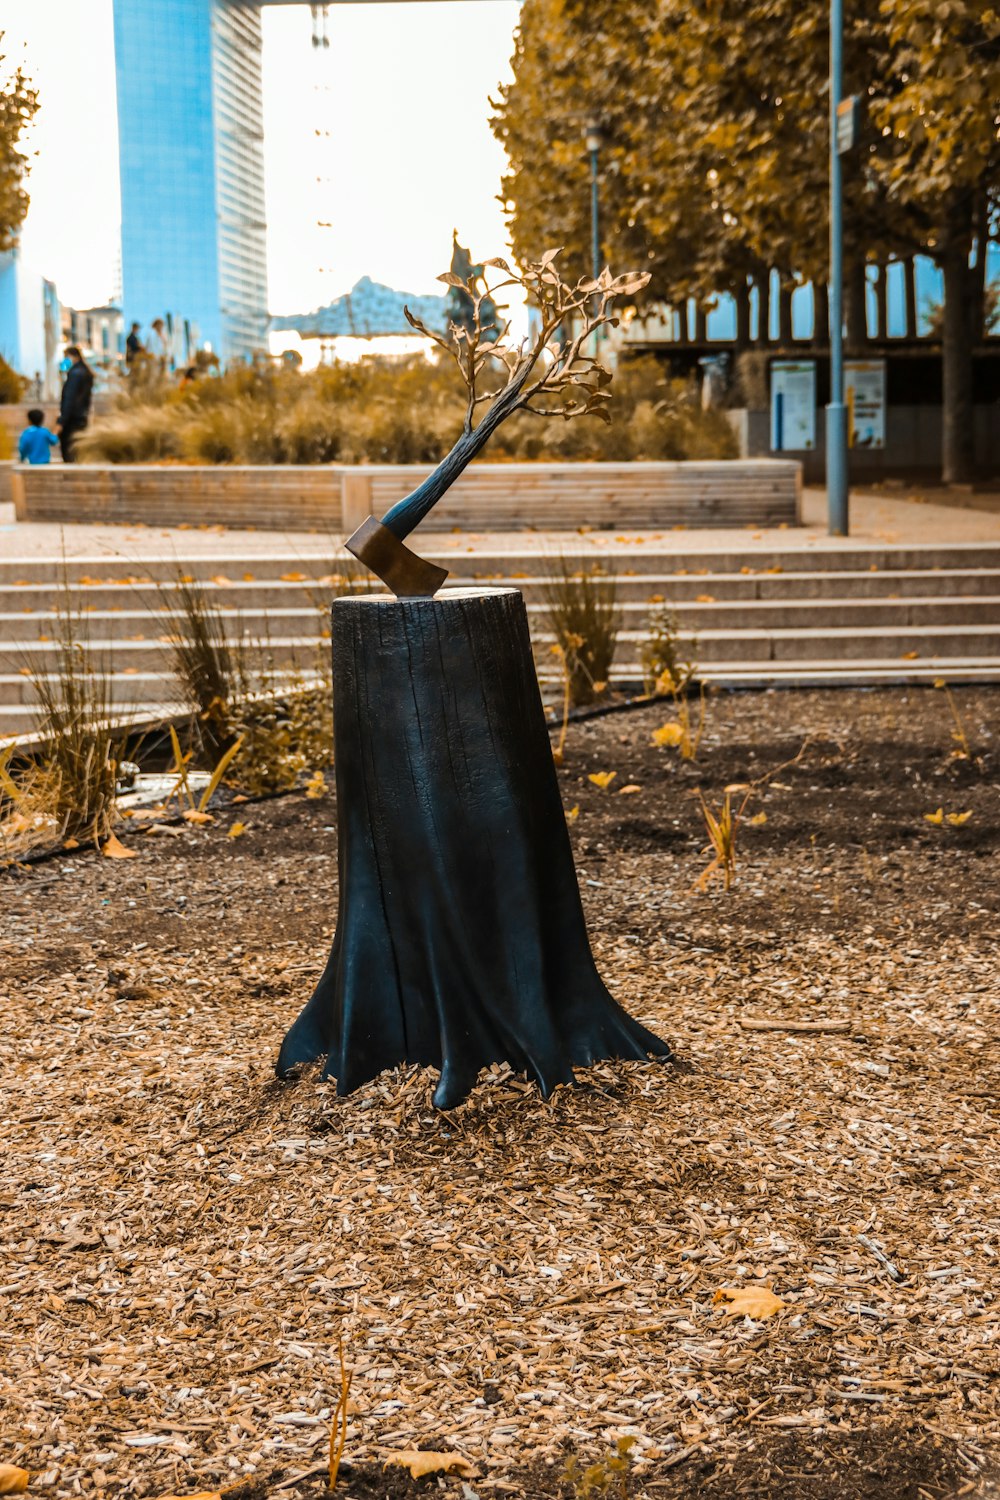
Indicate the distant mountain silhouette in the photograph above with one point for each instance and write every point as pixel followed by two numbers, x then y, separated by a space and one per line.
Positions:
pixel 368 310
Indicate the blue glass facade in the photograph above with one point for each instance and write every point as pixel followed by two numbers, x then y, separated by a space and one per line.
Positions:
pixel 192 171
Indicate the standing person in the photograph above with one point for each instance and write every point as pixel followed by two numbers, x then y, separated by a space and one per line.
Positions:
pixel 133 344
pixel 74 408
pixel 36 440
pixel 159 345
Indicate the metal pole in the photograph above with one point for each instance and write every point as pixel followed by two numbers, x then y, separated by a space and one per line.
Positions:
pixel 836 411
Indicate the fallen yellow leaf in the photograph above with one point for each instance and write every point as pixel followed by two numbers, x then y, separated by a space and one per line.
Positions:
pixel 630 790
pixel 668 734
pixel 573 814
pixel 420 1462
pixel 13 1481
pixel 935 817
pixel 909 656
pixel 293 577
pixel 756 1302
pixel 957 819
pixel 603 779
pixel 759 818
pixel 201 1495
pixel 316 786
pixel 237 831
pixel 113 848
pixel 705 599
pixel 192 815
pixel 169 828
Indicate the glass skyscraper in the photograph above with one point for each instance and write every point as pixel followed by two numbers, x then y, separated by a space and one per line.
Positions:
pixel 190 134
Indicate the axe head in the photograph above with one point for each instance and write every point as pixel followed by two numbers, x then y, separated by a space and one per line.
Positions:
pixel 381 550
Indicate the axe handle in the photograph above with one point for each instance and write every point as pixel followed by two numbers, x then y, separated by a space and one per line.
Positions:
pixel 410 511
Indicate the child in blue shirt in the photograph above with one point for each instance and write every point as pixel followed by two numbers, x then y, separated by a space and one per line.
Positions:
pixel 36 439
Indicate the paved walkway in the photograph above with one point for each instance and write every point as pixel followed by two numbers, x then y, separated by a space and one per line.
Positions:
pixel 877 518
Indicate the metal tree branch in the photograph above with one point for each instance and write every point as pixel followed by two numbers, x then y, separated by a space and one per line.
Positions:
pixel 537 368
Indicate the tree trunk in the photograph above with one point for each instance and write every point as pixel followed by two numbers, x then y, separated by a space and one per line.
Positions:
pixel 700 324
pixel 741 296
pixel 977 289
pixel 881 303
pixel 763 280
pixel 910 288
pixel 460 939
pixel 957 438
pixel 855 307
pixel 821 315
pixel 784 315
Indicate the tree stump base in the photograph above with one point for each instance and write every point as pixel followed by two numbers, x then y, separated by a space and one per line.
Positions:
pixel 460 938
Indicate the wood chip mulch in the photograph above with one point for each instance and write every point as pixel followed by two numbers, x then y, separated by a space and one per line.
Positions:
pixel 184 1240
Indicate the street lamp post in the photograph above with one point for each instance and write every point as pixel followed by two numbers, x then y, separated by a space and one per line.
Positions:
pixel 836 411
pixel 593 139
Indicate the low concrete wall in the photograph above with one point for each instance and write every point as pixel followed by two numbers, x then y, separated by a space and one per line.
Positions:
pixel 487 497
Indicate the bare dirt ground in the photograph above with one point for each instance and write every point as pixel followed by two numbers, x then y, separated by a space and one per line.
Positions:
pixel 183 1239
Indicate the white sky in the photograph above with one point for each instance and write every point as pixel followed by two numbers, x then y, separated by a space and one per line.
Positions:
pixel 402 91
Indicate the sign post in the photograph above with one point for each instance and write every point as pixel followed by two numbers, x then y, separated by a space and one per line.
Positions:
pixel 836 411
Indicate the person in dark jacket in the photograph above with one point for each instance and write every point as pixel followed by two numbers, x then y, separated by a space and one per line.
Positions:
pixel 133 345
pixel 74 408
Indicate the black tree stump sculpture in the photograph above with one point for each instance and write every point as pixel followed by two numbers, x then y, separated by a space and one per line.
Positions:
pixel 460 940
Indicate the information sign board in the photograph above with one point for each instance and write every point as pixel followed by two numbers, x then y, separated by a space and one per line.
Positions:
pixel 864 392
pixel 793 405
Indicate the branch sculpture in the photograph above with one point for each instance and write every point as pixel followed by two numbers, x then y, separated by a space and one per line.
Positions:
pixel 553 362
pixel 460 937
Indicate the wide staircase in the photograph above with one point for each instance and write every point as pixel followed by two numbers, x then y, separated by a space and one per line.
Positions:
pixel 862 614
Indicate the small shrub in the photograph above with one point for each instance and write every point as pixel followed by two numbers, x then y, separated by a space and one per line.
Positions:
pixel 582 613
pixel 661 654
pixel 12 385
pixel 204 666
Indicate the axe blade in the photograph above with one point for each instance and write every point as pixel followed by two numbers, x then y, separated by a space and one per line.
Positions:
pixel 409 576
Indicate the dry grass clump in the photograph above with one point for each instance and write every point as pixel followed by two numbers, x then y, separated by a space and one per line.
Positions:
pixel 582 613
pixel 68 791
pixel 383 410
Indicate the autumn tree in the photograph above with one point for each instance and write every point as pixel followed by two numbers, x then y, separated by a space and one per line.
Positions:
pixel 18 103
pixel 714 167
pixel 938 106
pixel 715 163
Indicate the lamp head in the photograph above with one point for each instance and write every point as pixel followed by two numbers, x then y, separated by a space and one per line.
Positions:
pixel 593 136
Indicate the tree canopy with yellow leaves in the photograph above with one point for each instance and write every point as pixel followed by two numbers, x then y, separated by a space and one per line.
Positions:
pixel 18 103
pixel 714 162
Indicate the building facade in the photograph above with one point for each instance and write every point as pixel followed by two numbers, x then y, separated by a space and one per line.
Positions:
pixel 190 133
pixel 29 324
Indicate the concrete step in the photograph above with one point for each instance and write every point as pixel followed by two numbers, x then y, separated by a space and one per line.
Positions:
pixel 129 660
pixel 113 627
pixel 486 560
pixel 671 588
